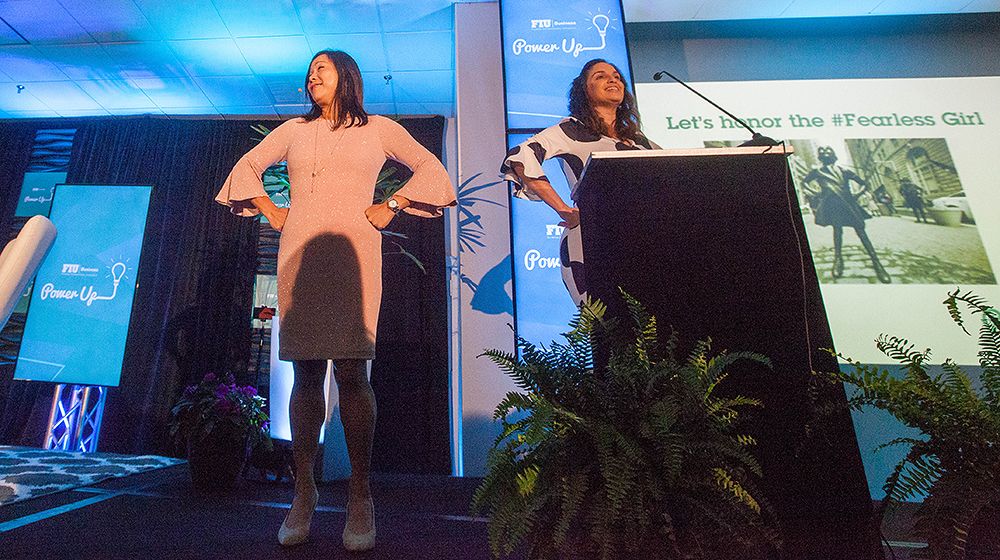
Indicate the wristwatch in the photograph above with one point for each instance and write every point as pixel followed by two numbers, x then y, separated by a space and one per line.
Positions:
pixel 393 205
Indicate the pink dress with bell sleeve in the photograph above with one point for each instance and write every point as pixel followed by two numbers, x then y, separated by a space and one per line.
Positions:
pixel 330 256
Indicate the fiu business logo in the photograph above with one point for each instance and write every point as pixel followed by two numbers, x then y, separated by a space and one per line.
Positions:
pixel 597 24
pixel 553 231
pixel 86 294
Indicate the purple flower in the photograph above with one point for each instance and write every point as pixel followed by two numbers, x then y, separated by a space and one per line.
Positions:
pixel 209 378
pixel 189 391
pixel 250 391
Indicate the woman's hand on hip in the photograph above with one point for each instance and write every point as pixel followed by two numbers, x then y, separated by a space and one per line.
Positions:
pixel 379 215
pixel 570 216
pixel 277 218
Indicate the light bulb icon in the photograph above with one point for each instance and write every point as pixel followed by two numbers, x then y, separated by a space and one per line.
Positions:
pixel 117 271
pixel 601 22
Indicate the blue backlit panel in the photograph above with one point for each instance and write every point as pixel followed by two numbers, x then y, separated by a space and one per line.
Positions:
pixel 545 43
pixel 78 319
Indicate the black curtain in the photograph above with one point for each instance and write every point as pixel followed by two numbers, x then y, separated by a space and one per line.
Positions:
pixel 17 400
pixel 192 306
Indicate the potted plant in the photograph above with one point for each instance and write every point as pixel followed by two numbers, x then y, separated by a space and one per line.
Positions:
pixel 218 422
pixel 640 459
pixel 955 462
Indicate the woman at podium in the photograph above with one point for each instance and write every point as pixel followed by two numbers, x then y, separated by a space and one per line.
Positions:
pixel 603 118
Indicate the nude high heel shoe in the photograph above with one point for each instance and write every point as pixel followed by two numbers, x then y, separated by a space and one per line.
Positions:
pixel 360 542
pixel 291 536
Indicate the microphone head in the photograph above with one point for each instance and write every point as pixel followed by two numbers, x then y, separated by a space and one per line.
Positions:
pixel 657 76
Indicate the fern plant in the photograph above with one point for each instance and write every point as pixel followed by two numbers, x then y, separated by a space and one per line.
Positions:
pixel 955 463
pixel 640 456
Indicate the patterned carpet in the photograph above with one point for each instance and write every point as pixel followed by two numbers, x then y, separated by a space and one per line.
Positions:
pixel 27 472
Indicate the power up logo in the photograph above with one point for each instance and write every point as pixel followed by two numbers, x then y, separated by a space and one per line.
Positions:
pixel 597 24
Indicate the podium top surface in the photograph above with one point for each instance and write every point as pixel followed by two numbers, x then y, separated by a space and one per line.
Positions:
pixel 683 152
pixel 603 159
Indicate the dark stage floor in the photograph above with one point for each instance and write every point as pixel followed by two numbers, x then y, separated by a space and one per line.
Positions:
pixel 156 515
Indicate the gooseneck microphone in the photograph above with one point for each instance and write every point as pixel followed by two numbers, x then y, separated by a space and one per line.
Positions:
pixel 756 139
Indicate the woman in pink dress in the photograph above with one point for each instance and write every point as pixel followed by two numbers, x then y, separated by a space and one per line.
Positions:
pixel 330 266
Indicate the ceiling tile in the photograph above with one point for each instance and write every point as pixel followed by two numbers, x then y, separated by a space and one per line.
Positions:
pixel 172 93
pixel 24 63
pixel 184 19
pixel 82 62
pixel 60 96
pixel 674 10
pixel 380 108
pixel 136 112
pixel 110 21
pixel 11 100
pixel 147 59
pixel 824 8
pixel 290 111
pixel 276 55
pixel 432 50
pixel 366 48
pixel 210 57
pixel 979 6
pixel 887 7
pixel 37 114
pixel 259 18
pixel 262 111
pixel 426 15
pixel 116 94
pixel 8 36
pixel 43 21
pixel 437 86
pixel 443 109
pixel 741 9
pixel 376 88
pixel 342 16
pixel 234 91
pixel 98 112
pixel 286 89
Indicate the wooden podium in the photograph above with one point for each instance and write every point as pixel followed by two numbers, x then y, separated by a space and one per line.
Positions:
pixel 712 242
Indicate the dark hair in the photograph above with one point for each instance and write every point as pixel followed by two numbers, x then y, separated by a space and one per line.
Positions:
pixel 626 118
pixel 350 94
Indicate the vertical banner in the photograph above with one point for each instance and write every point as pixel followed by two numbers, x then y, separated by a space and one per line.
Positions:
pixel 545 43
pixel 81 305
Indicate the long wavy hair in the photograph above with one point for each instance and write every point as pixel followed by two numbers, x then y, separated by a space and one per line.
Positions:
pixel 627 124
pixel 350 93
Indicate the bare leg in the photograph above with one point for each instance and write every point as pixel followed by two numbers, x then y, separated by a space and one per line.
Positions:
pixel 357 413
pixel 307 411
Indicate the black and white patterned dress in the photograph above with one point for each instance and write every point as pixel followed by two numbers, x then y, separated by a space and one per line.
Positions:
pixel 571 142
